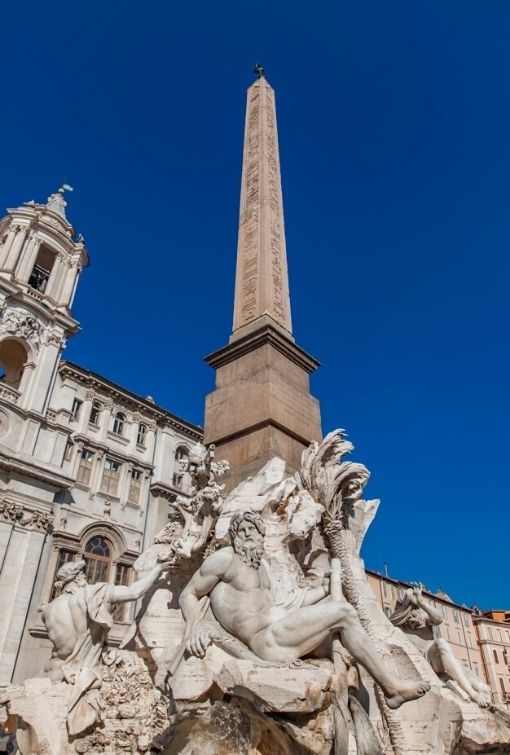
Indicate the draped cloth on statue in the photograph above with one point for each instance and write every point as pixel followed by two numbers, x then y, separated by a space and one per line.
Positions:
pixel 84 669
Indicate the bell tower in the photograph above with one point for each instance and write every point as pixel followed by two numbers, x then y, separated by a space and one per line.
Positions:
pixel 40 263
pixel 262 406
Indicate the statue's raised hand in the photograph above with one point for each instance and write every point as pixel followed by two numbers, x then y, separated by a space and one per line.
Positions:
pixel 417 594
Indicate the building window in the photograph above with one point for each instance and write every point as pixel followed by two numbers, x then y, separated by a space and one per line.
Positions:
pixel 118 423
pixel 85 467
pixel 111 476
pixel 466 619
pixel 469 640
pixel 13 358
pixel 135 485
pixel 448 633
pixel 123 576
pixel 456 616
pixel 142 431
pixel 41 272
pixel 68 451
pixel 499 635
pixel 459 638
pixel 64 556
pixel 444 611
pixel 75 411
pixel 181 466
pixel 489 633
pixel 95 413
pixel 495 654
pixel 436 631
pixel 98 560
pixel 502 685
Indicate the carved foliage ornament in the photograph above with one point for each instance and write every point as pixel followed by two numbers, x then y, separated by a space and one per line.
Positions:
pixel 16 514
pixel 19 322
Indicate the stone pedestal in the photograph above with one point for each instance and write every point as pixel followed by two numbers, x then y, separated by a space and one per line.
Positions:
pixel 262 406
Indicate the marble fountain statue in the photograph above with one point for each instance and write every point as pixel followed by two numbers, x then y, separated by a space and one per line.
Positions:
pixel 256 633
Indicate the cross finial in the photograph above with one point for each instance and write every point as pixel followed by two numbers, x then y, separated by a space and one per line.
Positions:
pixel 258 70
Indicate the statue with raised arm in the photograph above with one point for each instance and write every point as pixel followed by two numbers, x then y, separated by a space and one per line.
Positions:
pixel 243 599
pixel 417 618
pixel 78 621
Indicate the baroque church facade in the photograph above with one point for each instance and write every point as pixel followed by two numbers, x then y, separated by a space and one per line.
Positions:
pixel 87 468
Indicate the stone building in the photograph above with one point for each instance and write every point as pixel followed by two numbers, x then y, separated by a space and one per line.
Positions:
pixel 86 467
pixel 493 630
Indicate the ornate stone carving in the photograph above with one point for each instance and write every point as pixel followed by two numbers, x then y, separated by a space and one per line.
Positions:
pixel 78 622
pixel 416 617
pixel 17 514
pixel 21 323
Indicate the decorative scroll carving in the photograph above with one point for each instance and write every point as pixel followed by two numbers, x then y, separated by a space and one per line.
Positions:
pixel 16 514
pixel 21 323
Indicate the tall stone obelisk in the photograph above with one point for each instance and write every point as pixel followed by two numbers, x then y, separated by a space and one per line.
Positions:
pixel 262 405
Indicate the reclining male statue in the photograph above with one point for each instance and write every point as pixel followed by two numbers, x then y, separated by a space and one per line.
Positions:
pixel 78 621
pixel 416 617
pixel 237 580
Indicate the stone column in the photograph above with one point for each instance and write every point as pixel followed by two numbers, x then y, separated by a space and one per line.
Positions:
pixel 11 235
pixel 56 275
pixel 16 246
pixel 29 258
pixel 18 574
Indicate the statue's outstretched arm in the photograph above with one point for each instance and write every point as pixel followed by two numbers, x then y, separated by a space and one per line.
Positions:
pixel 123 594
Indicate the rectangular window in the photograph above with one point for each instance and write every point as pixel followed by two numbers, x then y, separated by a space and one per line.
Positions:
pixel 448 633
pixel 436 631
pixel 95 413
pixel 456 616
pixel 469 640
pixel 459 638
pixel 85 467
pixel 489 633
pixel 444 611
pixel 123 576
pixel 499 635
pixel 111 476
pixel 75 411
pixel 64 556
pixel 135 484
pixel 502 685
pixel 495 653
pixel 466 619
pixel 68 451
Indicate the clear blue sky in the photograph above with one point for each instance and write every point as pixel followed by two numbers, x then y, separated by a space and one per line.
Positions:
pixel 394 123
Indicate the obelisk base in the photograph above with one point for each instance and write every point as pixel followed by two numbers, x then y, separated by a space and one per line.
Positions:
pixel 262 405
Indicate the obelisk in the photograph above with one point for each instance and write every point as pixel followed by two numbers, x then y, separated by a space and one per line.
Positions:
pixel 262 405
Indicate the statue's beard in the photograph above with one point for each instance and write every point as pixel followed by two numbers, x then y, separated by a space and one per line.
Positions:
pixel 251 555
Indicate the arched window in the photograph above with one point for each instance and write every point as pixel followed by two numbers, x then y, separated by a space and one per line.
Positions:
pixel 181 466
pixel 13 357
pixel 142 431
pixel 98 556
pixel 118 423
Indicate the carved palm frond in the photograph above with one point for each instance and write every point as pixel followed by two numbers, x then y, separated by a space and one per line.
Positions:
pixel 323 471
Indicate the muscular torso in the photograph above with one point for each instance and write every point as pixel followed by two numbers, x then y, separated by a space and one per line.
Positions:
pixel 242 601
pixel 66 619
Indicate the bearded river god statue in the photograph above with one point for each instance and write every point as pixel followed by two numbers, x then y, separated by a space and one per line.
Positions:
pixel 257 633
